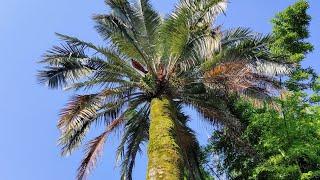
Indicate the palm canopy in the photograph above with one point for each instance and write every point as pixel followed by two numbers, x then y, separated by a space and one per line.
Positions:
pixel 183 57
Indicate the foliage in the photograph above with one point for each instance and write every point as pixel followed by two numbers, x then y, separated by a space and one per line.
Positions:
pixel 286 141
pixel 289 140
pixel 283 136
pixel 184 57
pixel 290 29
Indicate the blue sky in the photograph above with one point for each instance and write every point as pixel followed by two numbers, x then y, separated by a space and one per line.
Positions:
pixel 29 111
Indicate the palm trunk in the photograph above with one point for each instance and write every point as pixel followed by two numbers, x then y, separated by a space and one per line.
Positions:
pixel 165 161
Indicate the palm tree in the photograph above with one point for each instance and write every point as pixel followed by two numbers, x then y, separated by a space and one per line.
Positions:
pixel 149 68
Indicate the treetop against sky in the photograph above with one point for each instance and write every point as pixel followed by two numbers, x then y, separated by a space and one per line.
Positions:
pixel 29 111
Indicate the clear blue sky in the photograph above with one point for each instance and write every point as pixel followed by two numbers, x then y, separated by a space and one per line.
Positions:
pixel 29 111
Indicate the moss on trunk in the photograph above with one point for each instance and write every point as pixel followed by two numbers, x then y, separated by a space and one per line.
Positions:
pixel 165 161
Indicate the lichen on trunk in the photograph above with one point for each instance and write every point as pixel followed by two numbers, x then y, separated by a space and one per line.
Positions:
pixel 164 155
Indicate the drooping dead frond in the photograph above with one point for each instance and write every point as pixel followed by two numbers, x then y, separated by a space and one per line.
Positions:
pixel 94 150
pixel 242 78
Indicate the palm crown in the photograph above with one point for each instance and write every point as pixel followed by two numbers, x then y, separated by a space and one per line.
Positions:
pixel 151 63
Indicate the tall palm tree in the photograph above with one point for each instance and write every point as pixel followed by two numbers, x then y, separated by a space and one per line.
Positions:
pixel 148 69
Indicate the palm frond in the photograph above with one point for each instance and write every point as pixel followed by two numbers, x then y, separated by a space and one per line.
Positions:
pixel 79 109
pixel 140 22
pixel 152 22
pixel 203 11
pixel 66 63
pixel 83 110
pixel 136 133
pixel 270 68
pixel 236 35
pixel 242 79
pixel 121 36
pixel 187 33
pixel 72 139
pixel 114 58
pixel 94 150
pixel 190 148
pixel 64 53
pixel 212 105
pixel 75 120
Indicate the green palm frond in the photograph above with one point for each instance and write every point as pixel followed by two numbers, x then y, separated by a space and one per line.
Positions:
pixel 132 28
pixel 236 35
pixel 113 56
pixel 188 30
pixel 66 63
pixel 190 147
pixel 118 33
pixel 135 134
pixel 63 53
pixel 203 11
pixel 152 22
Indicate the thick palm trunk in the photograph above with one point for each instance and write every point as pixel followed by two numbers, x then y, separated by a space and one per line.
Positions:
pixel 165 161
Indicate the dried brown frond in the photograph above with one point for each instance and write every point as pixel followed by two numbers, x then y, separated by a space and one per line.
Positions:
pixel 94 150
pixel 79 108
pixel 239 77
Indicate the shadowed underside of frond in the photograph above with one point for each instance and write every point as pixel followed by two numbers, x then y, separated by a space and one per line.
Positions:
pixel 190 151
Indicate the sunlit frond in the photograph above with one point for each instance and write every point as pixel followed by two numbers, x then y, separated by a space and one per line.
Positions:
pixel 237 35
pixel 187 35
pixel 270 68
pixel 66 64
pixel 151 21
pixel 113 29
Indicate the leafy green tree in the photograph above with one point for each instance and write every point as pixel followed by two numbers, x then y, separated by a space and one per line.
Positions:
pixel 289 140
pixel 284 136
pixel 290 29
pixel 286 141
pixel 147 70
